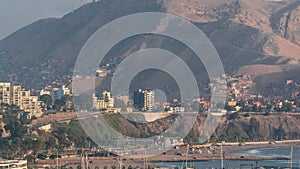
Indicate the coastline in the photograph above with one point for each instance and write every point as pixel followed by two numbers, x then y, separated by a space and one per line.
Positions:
pixel 171 157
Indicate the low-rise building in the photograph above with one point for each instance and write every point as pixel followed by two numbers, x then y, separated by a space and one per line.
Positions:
pixel 105 103
pixel 176 109
pixel 13 164
pixel 46 128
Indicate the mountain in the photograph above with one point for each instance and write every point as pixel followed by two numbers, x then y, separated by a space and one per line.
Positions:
pixel 246 34
pixel 51 46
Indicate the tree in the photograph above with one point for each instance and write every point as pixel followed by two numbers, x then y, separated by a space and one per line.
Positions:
pixel 41 156
pixel 233 116
pixel 253 130
pixel 67 102
pixel 47 99
pixel 287 107
pixel 50 143
pixel 14 126
pixel 279 134
pixel 58 104
pixel 24 118
pixel 30 158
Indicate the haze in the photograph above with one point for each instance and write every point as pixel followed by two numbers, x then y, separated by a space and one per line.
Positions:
pixel 15 14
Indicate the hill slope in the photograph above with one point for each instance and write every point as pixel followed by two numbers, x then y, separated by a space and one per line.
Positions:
pixel 242 32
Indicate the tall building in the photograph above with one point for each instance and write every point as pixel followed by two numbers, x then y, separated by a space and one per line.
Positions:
pixel 17 95
pixel 5 93
pixel 143 100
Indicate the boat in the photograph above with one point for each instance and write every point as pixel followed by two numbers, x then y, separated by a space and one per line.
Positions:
pixel 186 160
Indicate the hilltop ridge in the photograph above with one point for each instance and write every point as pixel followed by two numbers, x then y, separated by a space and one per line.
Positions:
pixel 243 32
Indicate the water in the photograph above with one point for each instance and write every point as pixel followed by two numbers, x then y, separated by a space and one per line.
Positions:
pixel 227 164
pixel 261 152
pixel 270 152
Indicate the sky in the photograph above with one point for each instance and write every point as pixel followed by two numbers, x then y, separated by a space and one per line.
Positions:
pixel 15 14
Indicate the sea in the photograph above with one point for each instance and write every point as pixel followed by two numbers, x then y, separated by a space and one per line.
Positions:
pixel 261 152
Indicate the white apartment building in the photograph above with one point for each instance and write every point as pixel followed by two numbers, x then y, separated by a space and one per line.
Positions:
pixel 20 97
pixel 13 164
pixel 5 93
pixel 106 101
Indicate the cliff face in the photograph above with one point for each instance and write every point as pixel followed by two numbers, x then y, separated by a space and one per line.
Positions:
pixel 286 23
pixel 233 127
pixel 249 127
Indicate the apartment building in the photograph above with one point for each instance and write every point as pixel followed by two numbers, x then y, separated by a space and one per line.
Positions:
pixel 20 97
pixel 16 95
pixel 143 100
pixel 105 102
pixel 5 93
pixel 31 104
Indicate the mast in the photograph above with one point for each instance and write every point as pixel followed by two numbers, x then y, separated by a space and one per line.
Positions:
pixel 291 158
pixel 81 159
pixel 86 161
pixel 222 163
pixel 146 165
pixel 187 156
pixel 57 159
pixel 145 159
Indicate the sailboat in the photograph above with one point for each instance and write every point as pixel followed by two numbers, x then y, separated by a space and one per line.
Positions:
pixel 291 158
pixel 186 160
pixel 222 160
pixel 84 160
pixel 145 160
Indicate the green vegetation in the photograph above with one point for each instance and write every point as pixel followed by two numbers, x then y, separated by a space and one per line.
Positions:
pixel 54 156
pixel 23 142
pixel 113 120
pixel 47 99
pixel 33 143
